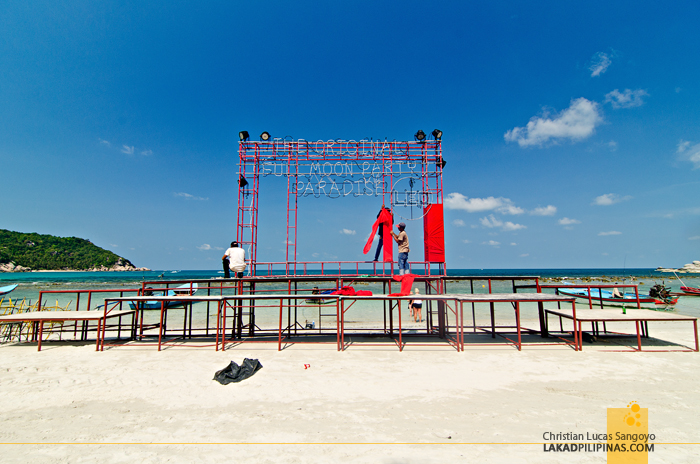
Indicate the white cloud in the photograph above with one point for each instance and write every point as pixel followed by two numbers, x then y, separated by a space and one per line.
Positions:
pixel 695 237
pixel 112 244
pixel 188 196
pixel 600 63
pixel 509 226
pixel 492 243
pixel 682 146
pixel 627 99
pixel 513 244
pixel 575 123
pixel 525 255
pixel 104 142
pixel 612 232
pixel 689 152
pixel 147 152
pixel 510 209
pixel 492 222
pixel 548 210
pixel 456 200
pixel 467 241
pixel 206 247
pixel 128 150
pixel 567 222
pixel 610 199
pixel 458 223
pixel 612 145
pixel 348 232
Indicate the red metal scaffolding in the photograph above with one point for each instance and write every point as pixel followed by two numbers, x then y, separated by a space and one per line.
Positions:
pixel 336 168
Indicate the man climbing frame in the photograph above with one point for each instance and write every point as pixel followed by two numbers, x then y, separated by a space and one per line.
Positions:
pixel 402 240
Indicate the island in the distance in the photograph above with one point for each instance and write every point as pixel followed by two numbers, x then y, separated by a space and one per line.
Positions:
pixel 21 252
pixel 691 268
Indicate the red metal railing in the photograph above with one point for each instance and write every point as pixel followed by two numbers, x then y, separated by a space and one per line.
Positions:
pixel 343 268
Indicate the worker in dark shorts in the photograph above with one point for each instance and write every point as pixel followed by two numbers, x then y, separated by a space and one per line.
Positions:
pixel 402 240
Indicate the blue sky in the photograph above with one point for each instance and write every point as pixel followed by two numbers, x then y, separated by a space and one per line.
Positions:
pixel 571 129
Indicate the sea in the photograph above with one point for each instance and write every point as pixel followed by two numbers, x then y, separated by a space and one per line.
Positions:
pixel 31 283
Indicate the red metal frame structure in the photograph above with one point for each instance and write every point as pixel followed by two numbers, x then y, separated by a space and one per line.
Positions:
pixel 334 168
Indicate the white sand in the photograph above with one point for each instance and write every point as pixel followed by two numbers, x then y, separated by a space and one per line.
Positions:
pixel 69 403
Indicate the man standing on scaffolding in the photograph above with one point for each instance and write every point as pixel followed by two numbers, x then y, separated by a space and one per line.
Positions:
pixel 402 240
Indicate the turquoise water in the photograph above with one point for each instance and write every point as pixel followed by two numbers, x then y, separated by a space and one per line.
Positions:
pixel 31 283
pixel 102 278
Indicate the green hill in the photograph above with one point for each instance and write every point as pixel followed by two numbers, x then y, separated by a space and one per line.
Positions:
pixel 37 251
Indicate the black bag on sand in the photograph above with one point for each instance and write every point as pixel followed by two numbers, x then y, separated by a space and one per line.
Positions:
pixel 235 373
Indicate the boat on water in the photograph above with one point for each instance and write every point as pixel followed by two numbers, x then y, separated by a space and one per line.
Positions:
pixel 685 289
pixel 690 290
pixel 619 299
pixel 186 289
pixel 320 299
pixel 7 289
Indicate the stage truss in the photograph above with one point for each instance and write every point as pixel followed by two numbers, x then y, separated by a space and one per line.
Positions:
pixel 401 173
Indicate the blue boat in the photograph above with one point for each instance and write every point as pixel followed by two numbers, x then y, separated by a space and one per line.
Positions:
pixel 7 289
pixel 607 297
pixel 186 290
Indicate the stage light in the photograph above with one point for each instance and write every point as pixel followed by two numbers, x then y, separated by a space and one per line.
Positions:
pixel 265 136
pixel 420 136
pixel 243 136
pixel 437 134
pixel 242 182
pixel 441 163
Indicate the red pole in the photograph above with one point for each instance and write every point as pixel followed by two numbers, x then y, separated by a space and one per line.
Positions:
pixel 160 328
pixel 99 331
pixel 517 323
pixel 461 324
pixel 279 335
pixel 398 302
pixel 337 324
pixel 218 323
pixel 590 300
pixel 41 334
pixel 576 335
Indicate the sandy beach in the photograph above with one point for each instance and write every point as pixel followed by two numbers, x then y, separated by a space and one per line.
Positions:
pixel 311 403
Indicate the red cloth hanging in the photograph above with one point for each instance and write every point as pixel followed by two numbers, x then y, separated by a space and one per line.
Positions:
pixel 347 290
pixel 406 284
pixel 434 234
pixel 385 220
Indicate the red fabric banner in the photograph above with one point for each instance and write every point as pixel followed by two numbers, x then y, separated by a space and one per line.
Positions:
pixel 434 234
pixel 406 283
pixel 384 220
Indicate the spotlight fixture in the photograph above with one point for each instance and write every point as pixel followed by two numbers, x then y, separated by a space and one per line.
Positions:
pixel 265 136
pixel 243 136
pixel 420 136
pixel 437 134
pixel 242 182
pixel 441 163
